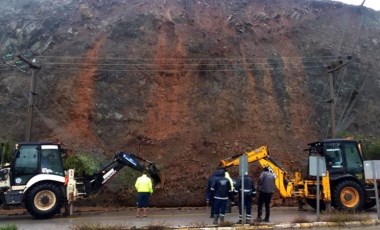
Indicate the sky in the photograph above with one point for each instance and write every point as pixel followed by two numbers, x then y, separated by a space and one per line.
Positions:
pixel 374 4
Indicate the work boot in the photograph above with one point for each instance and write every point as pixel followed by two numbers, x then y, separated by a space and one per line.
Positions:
pixel 258 219
pixel 222 219
pixel 215 220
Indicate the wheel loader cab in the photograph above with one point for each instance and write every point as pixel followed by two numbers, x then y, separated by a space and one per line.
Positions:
pixel 35 158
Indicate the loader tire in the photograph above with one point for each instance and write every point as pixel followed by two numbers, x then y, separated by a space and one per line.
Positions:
pixel 348 195
pixel 44 200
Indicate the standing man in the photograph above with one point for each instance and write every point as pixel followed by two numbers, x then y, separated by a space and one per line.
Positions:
pixel 210 193
pixel 249 193
pixel 266 187
pixel 221 189
pixel 144 189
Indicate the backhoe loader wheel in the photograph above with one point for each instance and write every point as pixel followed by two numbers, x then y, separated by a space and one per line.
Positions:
pixel 44 200
pixel 348 195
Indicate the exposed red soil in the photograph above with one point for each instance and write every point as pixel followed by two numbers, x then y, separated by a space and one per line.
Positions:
pixel 187 83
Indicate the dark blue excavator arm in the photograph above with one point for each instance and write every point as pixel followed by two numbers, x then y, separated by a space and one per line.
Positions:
pixel 121 159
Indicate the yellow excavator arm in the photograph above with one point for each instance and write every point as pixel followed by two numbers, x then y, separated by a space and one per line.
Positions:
pixel 295 187
pixel 252 156
pixel 261 155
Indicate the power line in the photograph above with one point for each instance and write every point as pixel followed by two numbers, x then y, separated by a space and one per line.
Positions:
pixel 258 67
pixel 181 64
pixel 232 63
pixel 197 59
pixel 58 107
pixel 182 70
pixel 344 31
pixel 350 104
pixel 350 101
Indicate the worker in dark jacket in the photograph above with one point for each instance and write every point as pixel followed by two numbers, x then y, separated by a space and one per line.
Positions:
pixel 249 192
pixel 266 187
pixel 221 189
pixel 209 193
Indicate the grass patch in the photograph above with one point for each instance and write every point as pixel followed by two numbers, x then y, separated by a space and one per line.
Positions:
pixel 345 216
pixel 301 219
pixel 226 224
pixel 8 227
pixel 198 224
pixel 98 227
pixel 152 226
pixel 155 227
pixel 336 216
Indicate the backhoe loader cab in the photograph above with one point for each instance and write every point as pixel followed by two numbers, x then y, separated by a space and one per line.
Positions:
pixel 343 158
pixel 31 159
pixel 35 179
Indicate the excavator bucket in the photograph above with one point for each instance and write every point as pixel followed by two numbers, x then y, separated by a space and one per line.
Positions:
pixel 156 175
pixel 135 162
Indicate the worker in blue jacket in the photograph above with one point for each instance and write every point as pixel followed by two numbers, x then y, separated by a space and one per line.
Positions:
pixel 249 193
pixel 210 193
pixel 221 188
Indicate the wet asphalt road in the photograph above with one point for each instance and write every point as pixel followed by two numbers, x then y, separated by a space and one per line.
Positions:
pixel 171 217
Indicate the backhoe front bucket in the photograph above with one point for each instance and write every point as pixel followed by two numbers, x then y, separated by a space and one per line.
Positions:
pixel 156 175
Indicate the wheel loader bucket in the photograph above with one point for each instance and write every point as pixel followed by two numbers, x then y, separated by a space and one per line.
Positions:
pixel 156 175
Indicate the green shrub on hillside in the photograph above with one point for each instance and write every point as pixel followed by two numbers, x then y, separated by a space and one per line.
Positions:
pixel 7 148
pixel 128 177
pixel 370 145
pixel 84 164
pixel 371 149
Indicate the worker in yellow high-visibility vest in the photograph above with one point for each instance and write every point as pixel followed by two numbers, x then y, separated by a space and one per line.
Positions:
pixel 144 189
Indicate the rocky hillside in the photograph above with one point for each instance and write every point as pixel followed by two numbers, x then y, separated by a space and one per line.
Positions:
pixel 186 83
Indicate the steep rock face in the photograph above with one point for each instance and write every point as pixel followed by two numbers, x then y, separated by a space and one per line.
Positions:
pixel 186 83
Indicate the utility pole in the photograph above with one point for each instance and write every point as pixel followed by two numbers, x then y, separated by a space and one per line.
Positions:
pixel 35 68
pixel 335 66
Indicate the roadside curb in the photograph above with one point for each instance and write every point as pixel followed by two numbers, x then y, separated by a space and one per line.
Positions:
pixel 286 225
pixel 325 224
